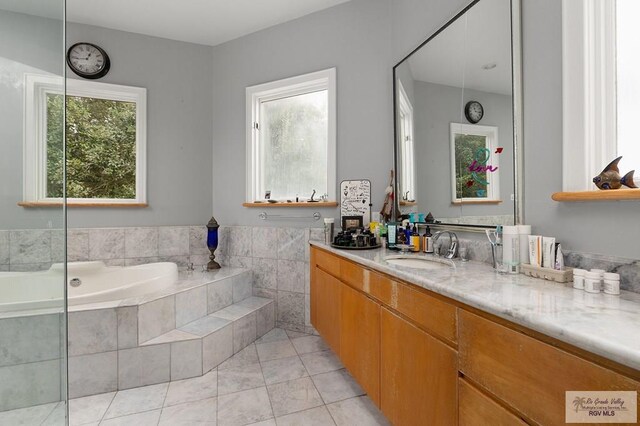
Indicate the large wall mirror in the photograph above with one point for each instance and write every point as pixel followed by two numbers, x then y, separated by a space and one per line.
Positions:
pixel 457 116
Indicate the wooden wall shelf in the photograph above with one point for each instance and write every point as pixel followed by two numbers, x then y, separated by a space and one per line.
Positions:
pixel 408 203
pixel 608 195
pixel 319 204
pixel 38 204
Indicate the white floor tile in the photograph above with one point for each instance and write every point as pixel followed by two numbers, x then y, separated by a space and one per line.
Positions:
pixel 202 412
pixel 308 344
pixel 292 396
pixel 137 400
pixel 318 416
pixel 89 408
pixel 275 350
pixel 190 390
pixel 321 362
pixel 240 378
pixel 244 407
pixel 356 411
pixel 336 386
pixel 148 418
pixel 283 369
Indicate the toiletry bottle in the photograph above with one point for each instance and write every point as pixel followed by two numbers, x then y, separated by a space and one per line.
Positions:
pixel 511 249
pixel 392 235
pixel 524 231
pixel 402 236
pixel 415 238
pixel 428 241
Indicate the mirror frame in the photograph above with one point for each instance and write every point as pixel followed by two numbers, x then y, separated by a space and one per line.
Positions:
pixel 518 143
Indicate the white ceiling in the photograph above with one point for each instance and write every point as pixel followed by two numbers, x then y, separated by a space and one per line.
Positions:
pixel 456 56
pixel 209 22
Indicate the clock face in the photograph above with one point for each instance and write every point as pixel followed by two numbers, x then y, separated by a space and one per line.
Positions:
pixel 88 60
pixel 473 111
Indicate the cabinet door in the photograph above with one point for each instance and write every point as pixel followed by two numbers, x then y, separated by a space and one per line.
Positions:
pixel 325 305
pixel 527 374
pixel 478 409
pixel 360 340
pixel 418 374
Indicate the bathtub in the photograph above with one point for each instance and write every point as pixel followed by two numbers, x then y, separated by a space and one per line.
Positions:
pixel 98 283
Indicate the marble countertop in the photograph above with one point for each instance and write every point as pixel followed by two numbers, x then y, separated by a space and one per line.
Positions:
pixel 603 324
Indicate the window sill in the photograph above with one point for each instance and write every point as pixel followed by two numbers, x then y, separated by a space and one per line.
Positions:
pixel 46 204
pixel 299 204
pixel 599 195
pixel 462 203
pixel 408 203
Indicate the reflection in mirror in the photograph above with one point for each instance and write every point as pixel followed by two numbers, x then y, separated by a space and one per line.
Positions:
pixel 454 120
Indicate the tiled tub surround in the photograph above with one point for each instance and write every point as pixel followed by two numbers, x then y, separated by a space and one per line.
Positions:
pixel 37 249
pixel 602 324
pixel 182 332
pixel 279 258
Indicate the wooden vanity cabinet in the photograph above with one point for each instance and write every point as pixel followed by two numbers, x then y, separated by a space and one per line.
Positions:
pixel 360 340
pixel 428 360
pixel 326 296
pixel 527 374
pixel 418 375
pixel 475 408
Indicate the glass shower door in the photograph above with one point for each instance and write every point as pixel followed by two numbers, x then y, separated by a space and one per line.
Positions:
pixel 33 384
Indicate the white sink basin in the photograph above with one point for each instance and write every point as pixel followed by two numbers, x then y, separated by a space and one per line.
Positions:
pixel 420 262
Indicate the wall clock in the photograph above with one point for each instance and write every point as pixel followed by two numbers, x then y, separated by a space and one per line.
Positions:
pixel 88 60
pixel 474 111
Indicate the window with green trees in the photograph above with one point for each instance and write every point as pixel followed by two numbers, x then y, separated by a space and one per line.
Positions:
pixel 101 139
pixel 101 147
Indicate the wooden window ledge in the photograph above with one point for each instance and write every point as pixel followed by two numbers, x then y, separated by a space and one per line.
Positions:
pixel 408 203
pixel 46 204
pixel 319 204
pixel 599 195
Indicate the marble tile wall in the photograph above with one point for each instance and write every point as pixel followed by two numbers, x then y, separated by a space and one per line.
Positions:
pixel 34 250
pixel 279 258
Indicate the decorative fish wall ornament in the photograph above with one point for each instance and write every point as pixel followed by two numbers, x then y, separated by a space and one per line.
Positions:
pixel 610 178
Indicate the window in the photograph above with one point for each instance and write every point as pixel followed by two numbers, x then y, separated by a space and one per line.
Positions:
pixel 600 88
pixel 474 163
pixel 405 117
pixel 291 137
pixel 105 142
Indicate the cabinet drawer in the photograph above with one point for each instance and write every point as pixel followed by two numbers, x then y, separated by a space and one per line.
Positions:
pixel 477 409
pixel 529 375
pixel 354 275
pixel 326 261
pixel 433 314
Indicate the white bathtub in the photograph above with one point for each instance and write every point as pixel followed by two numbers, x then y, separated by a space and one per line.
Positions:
pixel 99 283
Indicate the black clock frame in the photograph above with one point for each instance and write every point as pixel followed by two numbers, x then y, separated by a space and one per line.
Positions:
pixel 467 114
pixel 105 69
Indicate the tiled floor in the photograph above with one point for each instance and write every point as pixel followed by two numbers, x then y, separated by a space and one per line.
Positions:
pixel 285 378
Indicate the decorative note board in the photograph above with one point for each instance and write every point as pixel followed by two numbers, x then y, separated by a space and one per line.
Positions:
pixel 355 199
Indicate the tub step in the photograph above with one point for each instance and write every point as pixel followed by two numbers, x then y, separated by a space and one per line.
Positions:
pixel 198 347
pixel 181 307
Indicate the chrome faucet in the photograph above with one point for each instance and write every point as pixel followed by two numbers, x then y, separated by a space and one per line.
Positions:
pixel 453 247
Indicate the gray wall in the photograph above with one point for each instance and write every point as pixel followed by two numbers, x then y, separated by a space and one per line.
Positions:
pixel 178 80
pixel 355 38
pixel 435 107
pixel 177 77
pixel 27 45
pixel 598 227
